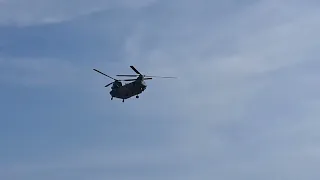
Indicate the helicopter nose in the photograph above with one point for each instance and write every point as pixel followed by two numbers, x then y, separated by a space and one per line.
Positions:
pixel 112 92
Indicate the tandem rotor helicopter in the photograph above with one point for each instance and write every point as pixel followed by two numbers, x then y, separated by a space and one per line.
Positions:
pixel 134 88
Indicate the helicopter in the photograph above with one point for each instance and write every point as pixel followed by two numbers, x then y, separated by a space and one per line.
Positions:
pixel 128 90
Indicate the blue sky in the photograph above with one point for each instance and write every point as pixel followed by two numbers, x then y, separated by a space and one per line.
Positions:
pixel 245 106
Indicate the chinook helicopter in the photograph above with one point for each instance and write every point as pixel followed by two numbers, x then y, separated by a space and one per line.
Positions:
pixel 134 88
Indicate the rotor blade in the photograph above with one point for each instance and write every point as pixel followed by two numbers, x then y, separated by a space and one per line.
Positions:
pixel 104 74
pixel 147 78
pixel 108 84
pixel 135 70
pixel 134 79
pixel 128 75
pixel 128 79
pixel 160 76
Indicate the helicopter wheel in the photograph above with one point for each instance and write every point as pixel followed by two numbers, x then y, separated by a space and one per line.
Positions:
pixel 137 97
pixel 111 98
pixel 122 100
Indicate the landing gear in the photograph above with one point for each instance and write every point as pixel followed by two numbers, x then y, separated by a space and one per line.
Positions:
pixel 137 96
pixel 111 98
pixel 122 100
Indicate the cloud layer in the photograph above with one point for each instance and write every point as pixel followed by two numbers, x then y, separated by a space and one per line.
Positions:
pixel 245 105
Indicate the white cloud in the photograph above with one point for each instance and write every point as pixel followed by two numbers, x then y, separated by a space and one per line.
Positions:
pixel 217 90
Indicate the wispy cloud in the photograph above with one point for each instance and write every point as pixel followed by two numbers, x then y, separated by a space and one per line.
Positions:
pixel 31 12
pixel 38 72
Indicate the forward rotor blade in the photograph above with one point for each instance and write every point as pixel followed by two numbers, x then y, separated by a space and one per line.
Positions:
pixel 128 75
pixel 108 84
pixel 134 79
pixel 104 74
pixel 146 76
pixel 128 79
pixel 135 70
pixel 160 76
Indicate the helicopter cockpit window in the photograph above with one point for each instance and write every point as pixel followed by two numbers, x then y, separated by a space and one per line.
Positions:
pixel 116 85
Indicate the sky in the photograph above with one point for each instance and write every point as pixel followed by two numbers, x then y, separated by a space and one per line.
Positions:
pixel 245 105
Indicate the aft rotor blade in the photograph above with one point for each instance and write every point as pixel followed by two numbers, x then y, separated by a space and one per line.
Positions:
pixel 104 74
pixel 135 70
pixel 108 84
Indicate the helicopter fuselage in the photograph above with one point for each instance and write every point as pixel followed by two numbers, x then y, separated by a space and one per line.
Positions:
pixel 128 90
pixel 134 88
